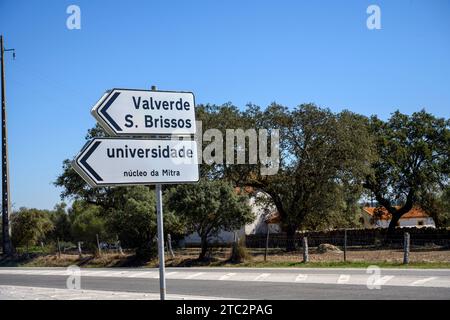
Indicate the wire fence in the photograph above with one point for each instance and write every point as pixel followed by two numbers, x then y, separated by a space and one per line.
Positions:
pixel 337 245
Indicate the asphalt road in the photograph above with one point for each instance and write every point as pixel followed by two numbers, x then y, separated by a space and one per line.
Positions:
pixel 248 283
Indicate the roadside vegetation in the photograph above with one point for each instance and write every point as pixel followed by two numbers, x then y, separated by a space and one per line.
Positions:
pixel 328 163
pixel 227 257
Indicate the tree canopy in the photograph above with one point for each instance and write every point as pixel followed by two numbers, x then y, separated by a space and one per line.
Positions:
pixel 209 207
pixel 413 161
pixel 30 226
pixel 323 159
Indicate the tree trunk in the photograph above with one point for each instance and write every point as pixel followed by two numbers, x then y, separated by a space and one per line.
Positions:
pixel 391 229
pixel 204 247
pixel 290 238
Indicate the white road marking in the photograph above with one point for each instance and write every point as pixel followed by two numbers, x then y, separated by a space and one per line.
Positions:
pixel 92 273
pixel 262 276
pixel 193 275
pixel 36 293
pixel 301 277
pixel 135 274
pixel 343 278
pixel 422 281
pixel 383 280
pixel 227 276
pixel 440 279
pixel 115 274
pixel 171 273
pixel 47 273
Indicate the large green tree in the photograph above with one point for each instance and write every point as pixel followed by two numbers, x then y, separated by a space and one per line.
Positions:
pixel 30 226
pixel 413 161
pixel 86 223
pixel 209 207
pixel 323 159
pixel 62 226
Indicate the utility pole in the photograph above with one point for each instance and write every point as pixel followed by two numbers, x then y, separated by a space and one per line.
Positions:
pixel 6 203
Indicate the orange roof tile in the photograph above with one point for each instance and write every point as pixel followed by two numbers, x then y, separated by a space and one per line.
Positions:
pixel 382 214
pixel 244 190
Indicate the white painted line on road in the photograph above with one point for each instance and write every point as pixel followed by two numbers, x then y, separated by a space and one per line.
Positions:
pixel 115 274
pixel 92 273
pixel 439 279
pixel 38 293
pixel 343 278
pixel 262 276
pixel 227 276
pixel 171 273
pixel 151 275
pixel 46 273
pixel 301 277
pixel 383 280
pixel 422 281
pixel 136 274
pixel 191 276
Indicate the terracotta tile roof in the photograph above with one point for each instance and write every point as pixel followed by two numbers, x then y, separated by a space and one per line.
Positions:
pixel 244 190
pixel 415 212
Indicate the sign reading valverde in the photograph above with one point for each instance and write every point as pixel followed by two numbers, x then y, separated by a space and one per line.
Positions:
pixel 146 112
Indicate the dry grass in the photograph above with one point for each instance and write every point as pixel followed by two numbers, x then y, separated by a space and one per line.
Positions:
pixel 220 257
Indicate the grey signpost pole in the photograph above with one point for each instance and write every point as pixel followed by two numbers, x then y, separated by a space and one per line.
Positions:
pixel 159 222
pixel 160 225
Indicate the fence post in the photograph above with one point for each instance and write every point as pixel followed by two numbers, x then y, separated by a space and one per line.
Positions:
pixel 267 243
pixel 169 245
pixel 59 248
pixel 345 245
pixel 98 245
pixel 406 245
pixel 80 253
pixel 305 250
pixel 119 247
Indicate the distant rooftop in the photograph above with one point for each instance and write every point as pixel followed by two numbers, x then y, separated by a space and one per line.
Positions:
pixel 382 214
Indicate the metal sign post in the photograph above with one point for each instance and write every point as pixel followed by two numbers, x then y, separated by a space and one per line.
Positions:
pixel 159 222
pixel 154 160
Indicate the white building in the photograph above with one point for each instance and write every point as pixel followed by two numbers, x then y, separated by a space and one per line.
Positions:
pixel 257 226
pixel 373 217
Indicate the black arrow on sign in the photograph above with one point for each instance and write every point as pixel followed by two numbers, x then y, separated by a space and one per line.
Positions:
pixel 106 115
pixel 86 156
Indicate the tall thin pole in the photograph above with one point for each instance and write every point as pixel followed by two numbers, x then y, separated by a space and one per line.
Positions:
pixel 6 204
pixel 159 222
pixel 160 225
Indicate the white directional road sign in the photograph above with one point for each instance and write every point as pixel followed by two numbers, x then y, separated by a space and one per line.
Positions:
pixel 146 112
pixel 107 161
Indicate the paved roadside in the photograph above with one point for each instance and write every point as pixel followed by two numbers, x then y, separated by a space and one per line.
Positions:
pixel 240 283
pixel 39 293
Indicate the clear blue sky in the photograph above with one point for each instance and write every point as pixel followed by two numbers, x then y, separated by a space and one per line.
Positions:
pixel 240 51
